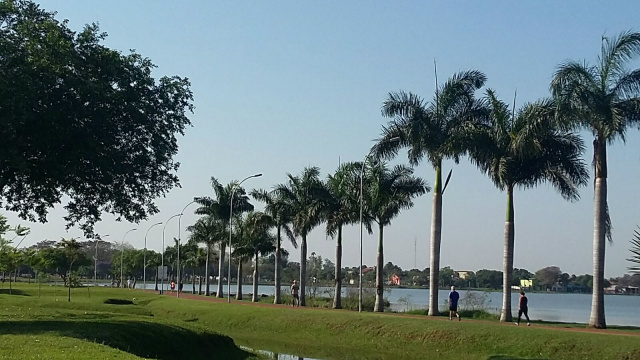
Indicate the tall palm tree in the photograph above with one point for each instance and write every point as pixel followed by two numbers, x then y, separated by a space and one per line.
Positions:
pixel 280 212
pixel 387 192
pixel 257 240
pixel 523 150
pixel 604 98
pixel 220 208
pixel 208 230
pixel 342 209
pixel 306 196
pixel 436 131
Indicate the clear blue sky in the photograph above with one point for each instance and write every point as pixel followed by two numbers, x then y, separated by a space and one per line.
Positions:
pixel 280 85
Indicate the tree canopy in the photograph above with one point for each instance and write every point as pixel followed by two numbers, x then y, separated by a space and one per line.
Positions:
pixel 82 122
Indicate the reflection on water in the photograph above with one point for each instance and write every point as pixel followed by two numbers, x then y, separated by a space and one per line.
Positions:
pixel 276 356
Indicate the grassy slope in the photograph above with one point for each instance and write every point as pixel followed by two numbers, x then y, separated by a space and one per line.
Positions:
pixel 170 328
pixel 345 334
pixel 50 327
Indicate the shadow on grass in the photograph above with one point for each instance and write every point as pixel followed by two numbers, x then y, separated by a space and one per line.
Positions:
pixel 141 338
pixel 13 292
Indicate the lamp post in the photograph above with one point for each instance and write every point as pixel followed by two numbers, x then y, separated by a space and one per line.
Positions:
pixel 163 228
pixel 144 269
pixel 122 256
pixel 95 262
pixel 179 240
pixel 233 191
pixel 364 163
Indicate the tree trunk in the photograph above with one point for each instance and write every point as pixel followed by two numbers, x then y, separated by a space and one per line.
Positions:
pixel 156 278
pixel 507 258
pixel 254 297
pixel 303 269
pixel 69 283
pixel 379 306
pixel 276 266
pixel 220 292
pixel 206 272
pixel 200 282
pixel 10 288
pixel 597 319
pixel 337 297
pixel 239 282
pixel 193 280
pixel 436 237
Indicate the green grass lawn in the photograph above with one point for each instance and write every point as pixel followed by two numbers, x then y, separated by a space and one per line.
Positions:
pixel 164 327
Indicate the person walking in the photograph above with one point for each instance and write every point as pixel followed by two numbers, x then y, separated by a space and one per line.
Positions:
pixel 523 308
pixel 294 293
pixel 453 303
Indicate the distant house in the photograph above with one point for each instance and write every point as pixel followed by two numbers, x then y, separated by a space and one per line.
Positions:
pixel 526 283
pixel 367 269
pixel 613 289
pixel 394 280
pixel 464 274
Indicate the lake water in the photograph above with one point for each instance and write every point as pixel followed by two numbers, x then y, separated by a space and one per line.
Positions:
pixel 621 310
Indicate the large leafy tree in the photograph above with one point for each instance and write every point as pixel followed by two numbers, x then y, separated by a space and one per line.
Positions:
pixel 522 150
pixel 219 208
pixel 605 99
pixel 342 209
pixel 82 122
pixel 434 131
pixel 387 193
pixel 280 212
pixel 306 196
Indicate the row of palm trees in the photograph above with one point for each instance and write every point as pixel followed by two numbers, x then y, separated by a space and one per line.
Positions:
pixel 298 206
pixel 525 147
pixel 515 147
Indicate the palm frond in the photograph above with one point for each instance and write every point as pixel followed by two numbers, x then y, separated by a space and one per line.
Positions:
pixel 635 251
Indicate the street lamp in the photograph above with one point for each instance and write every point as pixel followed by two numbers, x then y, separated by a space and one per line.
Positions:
pixel 163 228
pixel 122 256
pixel 364 163
pixel 180 239
pixel 233 191
pixel 95 261
pixel 144 270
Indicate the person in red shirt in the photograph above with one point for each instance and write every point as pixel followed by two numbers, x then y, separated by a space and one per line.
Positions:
pixel 523 308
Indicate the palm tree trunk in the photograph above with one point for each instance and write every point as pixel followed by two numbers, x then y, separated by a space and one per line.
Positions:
pixel 156 278
pixel 276 265
pixel 193 280
pixel 436 237
pixel 206 271
pixel 379 307
pixel 254 297
pixel 507 258
pixel 239 282
pixel 337 297
pixel 597 319
pixel 220 292
pixel 303 269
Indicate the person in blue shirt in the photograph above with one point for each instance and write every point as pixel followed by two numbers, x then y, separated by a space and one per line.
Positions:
pixel 453 303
